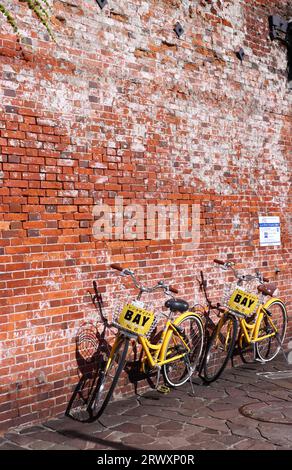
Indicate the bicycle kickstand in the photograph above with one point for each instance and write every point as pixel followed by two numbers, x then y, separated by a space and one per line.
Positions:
pixel 281 347
pixel 190 374
pixel 161 388
pixel 158 377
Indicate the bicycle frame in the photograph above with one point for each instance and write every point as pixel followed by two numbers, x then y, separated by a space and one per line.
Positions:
pixel 155 353
pixel 251 330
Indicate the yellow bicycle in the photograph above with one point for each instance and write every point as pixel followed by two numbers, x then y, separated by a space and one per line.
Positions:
pixel 177 353
pixel 256 324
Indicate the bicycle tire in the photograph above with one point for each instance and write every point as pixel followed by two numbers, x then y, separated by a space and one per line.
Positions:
pixel 216 357
pixel 108 380
pixel 178 372
pixel 267 349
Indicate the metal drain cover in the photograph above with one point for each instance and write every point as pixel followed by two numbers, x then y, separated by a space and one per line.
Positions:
pixel 276 412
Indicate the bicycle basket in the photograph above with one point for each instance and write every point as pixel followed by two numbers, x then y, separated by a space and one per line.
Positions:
pixel 241 299
pixel 135 317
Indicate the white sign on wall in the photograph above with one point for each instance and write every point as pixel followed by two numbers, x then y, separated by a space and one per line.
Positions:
pixel 270 231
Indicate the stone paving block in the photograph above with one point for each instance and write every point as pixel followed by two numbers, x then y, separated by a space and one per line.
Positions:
pixel 111 421
pixel 160 401
pixel 63 423
pixel 262 446
pixel 191 430
pixel 136 412
pixel 170 426
pixel 9 446
pixel 121 406
pixel 262 396
pixel 211 423
pixel 40 445
pixel 241 420
pixel 153 420
pixel 163 413
pixel 191 403
pixel 205 442
pixel 228 440
pixel 212 445
pixel 254 444
pixel 209 393
pixel 222 406
pixel 243 430
pixel 112 440
pixel 19 439
pixel 243 444
pixel 63 447
pixel 287 383
pixel 162 444
pixel 276 434
pixel 150 430
pixel 281 394
pixel 287 413
pixel 137 440
pixel 242 379
pixel 235 392
pixel 225 381
pixel 225 414
pixel 129 428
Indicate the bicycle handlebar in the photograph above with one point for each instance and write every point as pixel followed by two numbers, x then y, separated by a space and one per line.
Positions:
pixel 241 277
pixel 218 261
pixel 159 285
pixel 173 289
pixel 116 266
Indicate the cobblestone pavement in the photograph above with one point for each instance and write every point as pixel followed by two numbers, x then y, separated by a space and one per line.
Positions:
pixel 249 407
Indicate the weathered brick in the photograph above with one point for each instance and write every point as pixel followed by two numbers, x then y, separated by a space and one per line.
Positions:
pixel 159 120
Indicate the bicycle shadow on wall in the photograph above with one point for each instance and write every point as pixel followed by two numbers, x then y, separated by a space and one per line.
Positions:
pixel 92 352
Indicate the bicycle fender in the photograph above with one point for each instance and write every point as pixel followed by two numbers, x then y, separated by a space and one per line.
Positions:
pixel 270 301
pixel 184 315
pixel 170 331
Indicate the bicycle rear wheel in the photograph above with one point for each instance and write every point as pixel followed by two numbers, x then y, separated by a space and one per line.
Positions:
pixel 220 347
pixel 176 373
pixel 268 348
pixel 108 378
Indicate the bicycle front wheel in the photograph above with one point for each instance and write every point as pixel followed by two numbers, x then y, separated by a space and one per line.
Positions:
pixel 220 347
pixel 247 350
pixel 108 378
pixel 276 318
pixel 177 372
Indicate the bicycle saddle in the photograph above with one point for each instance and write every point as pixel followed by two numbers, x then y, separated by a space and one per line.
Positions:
pixel 267 289
pixel 177 305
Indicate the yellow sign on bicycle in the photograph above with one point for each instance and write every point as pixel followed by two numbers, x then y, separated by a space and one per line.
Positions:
pixel 243 302
pixel 136 319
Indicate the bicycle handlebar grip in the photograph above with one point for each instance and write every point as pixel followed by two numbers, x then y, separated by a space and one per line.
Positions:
pixel 117 267
pixel 218 261
pixel 173 289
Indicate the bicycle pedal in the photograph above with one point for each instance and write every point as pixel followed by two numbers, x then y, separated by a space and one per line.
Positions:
pixel 163 389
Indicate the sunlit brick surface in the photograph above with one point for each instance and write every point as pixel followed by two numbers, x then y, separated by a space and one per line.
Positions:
pixel 121 106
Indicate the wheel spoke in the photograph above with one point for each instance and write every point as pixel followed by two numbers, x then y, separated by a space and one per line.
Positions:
pixel 274 321
pixel 177 372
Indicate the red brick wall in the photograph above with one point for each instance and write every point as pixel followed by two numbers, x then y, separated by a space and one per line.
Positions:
pixel 121 107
